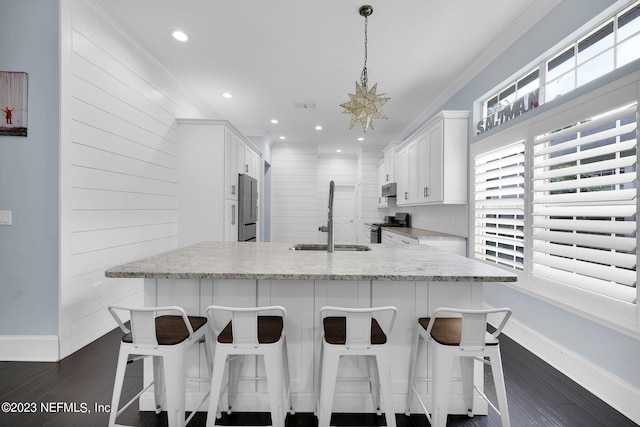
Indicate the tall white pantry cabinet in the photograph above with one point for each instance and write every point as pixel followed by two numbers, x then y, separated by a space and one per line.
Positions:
pixel 212 155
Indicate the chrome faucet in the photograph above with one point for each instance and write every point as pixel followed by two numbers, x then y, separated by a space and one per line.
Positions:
pixel 329 227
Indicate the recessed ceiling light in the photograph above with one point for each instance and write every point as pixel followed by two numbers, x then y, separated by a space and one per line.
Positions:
pixel 361 139
pixel 338 151
pixel 318 127
pixel 274 121
pixel 227 95
pixel 179 35
pixel 283 137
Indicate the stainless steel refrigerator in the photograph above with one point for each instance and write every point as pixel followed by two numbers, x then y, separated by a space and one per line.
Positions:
pixel 247 208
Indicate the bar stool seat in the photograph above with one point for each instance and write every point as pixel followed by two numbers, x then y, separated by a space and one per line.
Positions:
pixel 466 338
pixel 166 339
pixel 248 333
pixel 354 332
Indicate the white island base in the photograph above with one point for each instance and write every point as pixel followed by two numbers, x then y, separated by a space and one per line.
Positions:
pixel 302 300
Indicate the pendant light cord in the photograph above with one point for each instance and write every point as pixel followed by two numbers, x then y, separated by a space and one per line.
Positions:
pixel 364 78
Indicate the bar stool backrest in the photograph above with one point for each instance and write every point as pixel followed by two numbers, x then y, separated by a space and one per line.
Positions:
pixel 143 329
pixel 474 326
pixel 143 323
pixel 358 329
pixel 244 323
pixel 245 332
pixel 358 326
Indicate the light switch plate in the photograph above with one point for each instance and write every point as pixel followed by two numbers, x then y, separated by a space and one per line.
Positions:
pixel 5 217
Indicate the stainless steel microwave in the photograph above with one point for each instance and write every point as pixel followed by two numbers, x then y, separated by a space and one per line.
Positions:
pixel 389 190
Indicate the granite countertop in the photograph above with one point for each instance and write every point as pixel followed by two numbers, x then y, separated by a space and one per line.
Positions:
pixel 417 233
pixel 234 260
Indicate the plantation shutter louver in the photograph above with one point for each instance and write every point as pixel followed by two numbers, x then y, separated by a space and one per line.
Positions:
pixel 584 204
pixel 499 206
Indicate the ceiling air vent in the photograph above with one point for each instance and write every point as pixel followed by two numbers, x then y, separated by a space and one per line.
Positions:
pixel 306 105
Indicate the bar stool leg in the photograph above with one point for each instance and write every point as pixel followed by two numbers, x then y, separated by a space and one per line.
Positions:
pixel 235 366
pixel 208 352
pixel 158 382
pixel 175 384
pixel 384 370
pixel 287 374
pixel 466 368
pixel 273 369
pixel 121 368
pixel 318 381
pixel 328 385
pixel 415 352
pixel 442 364
pixel 374 376
pixel 501 390
pixel 216 384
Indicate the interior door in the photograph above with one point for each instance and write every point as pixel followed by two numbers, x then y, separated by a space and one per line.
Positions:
pixel 344 214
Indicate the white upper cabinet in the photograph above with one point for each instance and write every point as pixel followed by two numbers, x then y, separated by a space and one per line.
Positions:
pixel 390 161
pixel 386 171
pixel 240 158
pixel 433 164
pixel 430 165
pixel 248 159
pixel 407 177
pixel 383 202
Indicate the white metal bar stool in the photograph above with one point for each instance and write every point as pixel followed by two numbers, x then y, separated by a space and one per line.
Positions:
pixel 166 339
pixel 249 333
pixel 355 332
pixel 465 337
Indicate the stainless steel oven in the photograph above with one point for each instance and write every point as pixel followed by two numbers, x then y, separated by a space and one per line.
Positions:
pixel 400 220
pixel 375 236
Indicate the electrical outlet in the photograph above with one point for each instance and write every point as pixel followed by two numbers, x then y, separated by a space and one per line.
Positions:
pixel 97 290
pixel 5 217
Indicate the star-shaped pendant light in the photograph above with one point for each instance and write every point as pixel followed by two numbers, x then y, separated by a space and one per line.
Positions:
pixel 365 105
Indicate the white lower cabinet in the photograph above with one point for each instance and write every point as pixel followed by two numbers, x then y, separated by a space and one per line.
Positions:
pixel 453 244
pixel 396 239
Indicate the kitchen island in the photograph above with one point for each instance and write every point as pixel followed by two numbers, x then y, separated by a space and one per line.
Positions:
pixel 414 278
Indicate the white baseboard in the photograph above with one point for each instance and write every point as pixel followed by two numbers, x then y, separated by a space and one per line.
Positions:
pixel 612 389
pixel 29 348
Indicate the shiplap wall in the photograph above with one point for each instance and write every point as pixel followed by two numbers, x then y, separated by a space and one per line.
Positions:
pixel 300 179
pixel 343 171
pixel 294 176
pixel 119 180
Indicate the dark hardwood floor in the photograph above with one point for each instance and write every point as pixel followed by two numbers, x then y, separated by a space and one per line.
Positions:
pixel 68 393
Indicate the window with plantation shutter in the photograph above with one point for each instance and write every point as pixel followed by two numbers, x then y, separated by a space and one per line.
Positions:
pixel 584 204
pixel 499 206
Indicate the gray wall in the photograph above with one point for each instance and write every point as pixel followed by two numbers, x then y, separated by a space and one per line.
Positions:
pixel 608 349
pixel 29 173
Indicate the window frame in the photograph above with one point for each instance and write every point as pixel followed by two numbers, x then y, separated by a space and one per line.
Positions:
pixel 608 16
pixel 621 316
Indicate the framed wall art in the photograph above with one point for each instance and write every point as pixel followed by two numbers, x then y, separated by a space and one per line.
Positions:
pixel 13 103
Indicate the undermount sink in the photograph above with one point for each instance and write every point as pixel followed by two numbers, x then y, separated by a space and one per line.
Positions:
pixel 321 247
